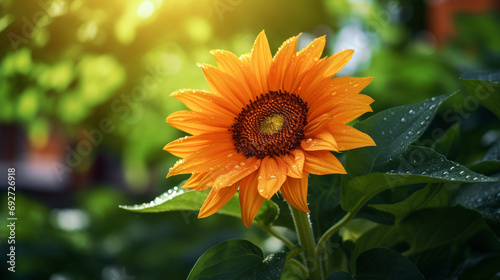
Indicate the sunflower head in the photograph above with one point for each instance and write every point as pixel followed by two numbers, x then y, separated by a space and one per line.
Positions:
pixel 266 124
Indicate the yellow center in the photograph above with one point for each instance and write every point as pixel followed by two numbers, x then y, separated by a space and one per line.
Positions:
pixel 272 124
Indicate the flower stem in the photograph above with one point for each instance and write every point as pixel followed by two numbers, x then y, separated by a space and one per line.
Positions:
pixel 337 226
pixel 300 266
pixel 272 232
pixel 326 236
pixel 304 232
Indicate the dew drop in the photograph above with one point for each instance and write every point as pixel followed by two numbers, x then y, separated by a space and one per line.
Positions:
pixel 451 168
pixel 445 173
pixel 403 120
pixel 467 177
pixel 423 173
pixel 475 178
pixel 272 177
pixel 383 132
pixel 385 119
pixel 411 112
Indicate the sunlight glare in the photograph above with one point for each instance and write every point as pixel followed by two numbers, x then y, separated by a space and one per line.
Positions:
pixel 146 9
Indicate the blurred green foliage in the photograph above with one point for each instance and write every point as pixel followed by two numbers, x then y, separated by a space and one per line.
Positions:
pixel 67 65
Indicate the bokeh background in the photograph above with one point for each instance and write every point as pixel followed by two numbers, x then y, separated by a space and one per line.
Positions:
pixel 84 93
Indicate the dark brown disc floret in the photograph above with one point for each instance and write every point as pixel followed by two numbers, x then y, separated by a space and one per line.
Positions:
pixel 272 125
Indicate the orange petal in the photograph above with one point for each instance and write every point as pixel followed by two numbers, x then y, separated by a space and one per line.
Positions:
pixel 315 124
pixel 204 101
pixel 303 61
pixel 216 200
pixel 261 61
pixel 230 64
pixel 338 89
pixel 194 182
pixel 334 106
pixel 236 171
pixel 282 59
pixel 295 192
pixel 196 123
pixel 185 146
pixel 204 160
pixel 250 200
pixel 324 70
pixel 294 160
pixel 322 162
pixel 225 85
pixel 349 138
pixel 349 111
pixel 272 174
pixel 320 142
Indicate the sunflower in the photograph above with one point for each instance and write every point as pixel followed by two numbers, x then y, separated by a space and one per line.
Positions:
pixel 266 124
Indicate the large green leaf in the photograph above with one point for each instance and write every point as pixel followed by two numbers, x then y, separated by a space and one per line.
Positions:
pixel 414 165
pixel 178 199
pixel 381 264
pixel 485 92
pixel 434 227
pixel 449 142
pixel 379 236
pixel 484 198
pixel 393 130
pixel 490 163
pixel 430 196
pixel 239 260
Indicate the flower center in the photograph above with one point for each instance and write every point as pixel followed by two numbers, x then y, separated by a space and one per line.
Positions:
pixel 272 125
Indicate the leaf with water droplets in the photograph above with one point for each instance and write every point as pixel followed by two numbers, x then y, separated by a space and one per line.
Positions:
pixel 393 130
pixel 448 144
pixel 484 198
pixel 178 199
pixel 414 166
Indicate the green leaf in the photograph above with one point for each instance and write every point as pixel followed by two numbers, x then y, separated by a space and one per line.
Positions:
pixel 393 130
pixel 379 236
pixel 237 259
pixel 434 227
pixel 485 92
pixel 490 163
pixel 484 198
pixel 448 144
pixel 381 264
pixel 428 197
pixel 178 199
pixel 413 166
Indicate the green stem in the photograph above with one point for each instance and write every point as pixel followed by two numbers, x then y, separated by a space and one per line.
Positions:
pixel 272 232
pixel 337 226
pixel 300 266
pixel 304 232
